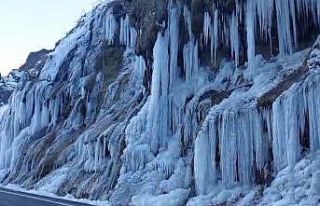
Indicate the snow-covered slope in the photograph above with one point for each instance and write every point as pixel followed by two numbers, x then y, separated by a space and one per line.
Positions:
pixel 296 185
pixel 170 103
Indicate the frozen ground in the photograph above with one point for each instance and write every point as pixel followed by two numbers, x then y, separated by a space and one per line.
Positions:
pixel 296 185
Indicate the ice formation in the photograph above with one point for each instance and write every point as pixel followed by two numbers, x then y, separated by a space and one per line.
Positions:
pixel 250 22
pixel 187 122
pixel 235 39
pixel 111 26
pixel 128 34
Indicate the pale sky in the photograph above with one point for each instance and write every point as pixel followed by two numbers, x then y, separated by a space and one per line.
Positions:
pixel 30 25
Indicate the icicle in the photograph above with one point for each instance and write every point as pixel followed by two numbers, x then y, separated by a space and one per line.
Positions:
pixel 206 27
pixel 140 67
pixel 234 39
pixel 239 10
pixel 205 171
pixel 191 59
pixel 284 29
pixel 294 21
pixel 44 115
pixel 36 120
pixel 187 19
pixel 174 16
pixel 318 12
pixel 260 138
pixel 236 143
pixel 214 37
pixel 250 23
pixel 225 31
pixel 264 13
pixel 133 37
pixel 96 153
pixel 128 34
pixel 286 132
pixel 157 121
pixel 228 151
pixel 111 26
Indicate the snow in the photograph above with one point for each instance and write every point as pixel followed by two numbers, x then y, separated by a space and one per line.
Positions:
pixel 56 58
pixel 295 185
pixel 247 199
pixel 235 196
pixel 174 198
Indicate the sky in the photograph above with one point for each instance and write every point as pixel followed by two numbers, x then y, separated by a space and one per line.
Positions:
pixel 30 25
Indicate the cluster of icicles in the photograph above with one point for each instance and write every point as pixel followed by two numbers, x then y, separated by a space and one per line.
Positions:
pixel 231 144
pixel 223 30
pixel 241 147
pixel 240 142
pixel 241 138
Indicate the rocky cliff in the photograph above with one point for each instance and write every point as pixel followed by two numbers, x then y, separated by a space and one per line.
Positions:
pixel 170 103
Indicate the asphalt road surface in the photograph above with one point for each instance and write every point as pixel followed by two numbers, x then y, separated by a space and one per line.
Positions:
pixel 13 198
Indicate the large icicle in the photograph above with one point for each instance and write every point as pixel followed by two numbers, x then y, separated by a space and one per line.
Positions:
pixel 284 29
pixel 173 43
pixel 235 39
pixel 264 13
pixel 288 111
pixel 205 166
pixel 128 34
pixel 206 27
pixel 250 25
pixel 111 26
pixel 187 21
pixel 157 120
pixel 191 59
pixel 215 37
pixel 294 22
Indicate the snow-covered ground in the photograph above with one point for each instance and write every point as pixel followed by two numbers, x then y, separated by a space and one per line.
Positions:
pixel 296 185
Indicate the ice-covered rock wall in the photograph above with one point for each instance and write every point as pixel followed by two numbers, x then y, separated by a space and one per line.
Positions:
pixel 201 113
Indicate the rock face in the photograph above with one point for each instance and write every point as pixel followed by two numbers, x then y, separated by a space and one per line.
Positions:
pixel 168 103
pixel 29 70
pixel 35 60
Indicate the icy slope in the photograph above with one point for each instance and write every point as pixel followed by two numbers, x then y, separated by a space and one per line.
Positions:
pixel 296 185
pixel 155 106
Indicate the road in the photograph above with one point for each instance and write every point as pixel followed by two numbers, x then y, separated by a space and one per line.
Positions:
pixel 13 198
